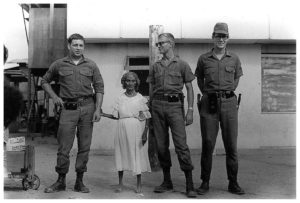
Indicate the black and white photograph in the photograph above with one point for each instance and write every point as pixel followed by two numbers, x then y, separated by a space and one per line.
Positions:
pixel 149 100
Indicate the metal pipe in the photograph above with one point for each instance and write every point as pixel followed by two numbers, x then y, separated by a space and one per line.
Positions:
pixel 25 25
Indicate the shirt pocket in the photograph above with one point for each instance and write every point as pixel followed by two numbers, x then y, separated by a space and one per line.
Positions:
pixel 210 74
pixel 66 76
pixel 86 76
pixel 229 73
pixel 157 79
pixel 175 78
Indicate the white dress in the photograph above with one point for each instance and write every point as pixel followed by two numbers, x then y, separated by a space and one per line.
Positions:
pixel 130 154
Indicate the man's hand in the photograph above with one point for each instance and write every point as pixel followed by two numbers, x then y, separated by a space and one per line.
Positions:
pixel 58 101
pixel 96 116
pixel 189 117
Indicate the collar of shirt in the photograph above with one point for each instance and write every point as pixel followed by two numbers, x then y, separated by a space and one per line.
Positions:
pixel 211 53
pixel 69 60
pixel 175 59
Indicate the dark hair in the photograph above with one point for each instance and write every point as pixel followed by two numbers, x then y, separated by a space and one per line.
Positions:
pixel 13 104
pixel 124 77
pixel 75 37
pixel 169 36
pixel 5 54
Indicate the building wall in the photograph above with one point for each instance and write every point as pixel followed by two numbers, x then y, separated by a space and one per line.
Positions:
pixel 255 129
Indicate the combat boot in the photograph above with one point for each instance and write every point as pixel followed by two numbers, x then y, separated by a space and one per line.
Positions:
pixel 234 188
pixel 189 184
pixel 167 184
pixel 79 186
pixel 164 187
pixel 59 185
pixel 203 188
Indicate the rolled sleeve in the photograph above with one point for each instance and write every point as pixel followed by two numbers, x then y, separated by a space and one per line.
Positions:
pixel 150 78
pixel 199 69
pixel 239 71
pixel 98 81
pixel 50 74
pixel 188 74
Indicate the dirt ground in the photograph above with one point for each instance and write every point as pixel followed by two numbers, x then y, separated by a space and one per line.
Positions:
pixel 263 174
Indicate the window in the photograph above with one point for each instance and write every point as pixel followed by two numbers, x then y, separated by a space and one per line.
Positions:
pixel 278 83
pixel 139 65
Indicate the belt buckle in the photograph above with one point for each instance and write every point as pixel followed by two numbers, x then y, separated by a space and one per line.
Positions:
pixel 80 101
pixel 228 94
pixel 219 94
pixel 71 105
pixel 173 98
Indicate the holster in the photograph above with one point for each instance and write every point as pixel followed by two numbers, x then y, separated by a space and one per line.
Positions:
pixel 57 111
pixel 199 102
pixel 94 98
pixel 212 103
pixel 181 97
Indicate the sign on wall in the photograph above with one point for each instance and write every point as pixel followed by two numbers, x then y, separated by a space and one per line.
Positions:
pixel 278 83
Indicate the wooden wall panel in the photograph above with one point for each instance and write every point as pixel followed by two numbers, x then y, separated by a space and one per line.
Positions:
pixel 47 36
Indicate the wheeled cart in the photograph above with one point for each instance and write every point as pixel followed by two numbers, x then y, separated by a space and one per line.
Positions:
pixel 21 165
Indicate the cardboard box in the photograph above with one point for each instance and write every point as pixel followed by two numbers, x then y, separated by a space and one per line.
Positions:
pixel 15 161
pixel 15 144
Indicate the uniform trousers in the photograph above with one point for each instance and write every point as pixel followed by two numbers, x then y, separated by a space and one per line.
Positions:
pixel 73 122
pixel 167 115
pixel 227 118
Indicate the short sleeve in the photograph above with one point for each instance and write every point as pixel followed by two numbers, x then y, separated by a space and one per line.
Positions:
pixel 143 104
pixel 98 80
pixel 150 78
pixel 143 107
pixel 188 74
pixel 238 71
pixel 199 69
pixel 50 74
pixel 116 105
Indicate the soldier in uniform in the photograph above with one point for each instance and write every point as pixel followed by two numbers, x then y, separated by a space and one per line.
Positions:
pixel 167 78
pixel 218 73
pixel 80 98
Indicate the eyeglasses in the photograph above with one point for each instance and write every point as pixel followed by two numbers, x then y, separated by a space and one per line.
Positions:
pixel 161 43
pixel 128 81
pixel 221 36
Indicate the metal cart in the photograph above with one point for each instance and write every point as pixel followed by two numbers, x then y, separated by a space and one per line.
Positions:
pixel 21 165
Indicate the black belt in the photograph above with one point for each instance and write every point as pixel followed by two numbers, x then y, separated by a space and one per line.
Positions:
pixel 74 103
pixel 168 97
pixel 77 99
pixel 222 94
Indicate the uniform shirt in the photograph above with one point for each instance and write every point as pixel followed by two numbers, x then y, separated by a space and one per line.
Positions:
pixel 169 79
pixel 218 74
pixel 75 81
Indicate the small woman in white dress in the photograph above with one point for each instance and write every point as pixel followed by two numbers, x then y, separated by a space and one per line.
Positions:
pixel 133 113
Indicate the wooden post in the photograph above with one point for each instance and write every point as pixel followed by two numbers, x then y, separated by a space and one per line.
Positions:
pixel 28 101
pixel 154 31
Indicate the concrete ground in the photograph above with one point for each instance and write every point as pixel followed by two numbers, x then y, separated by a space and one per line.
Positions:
pixel 263 174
